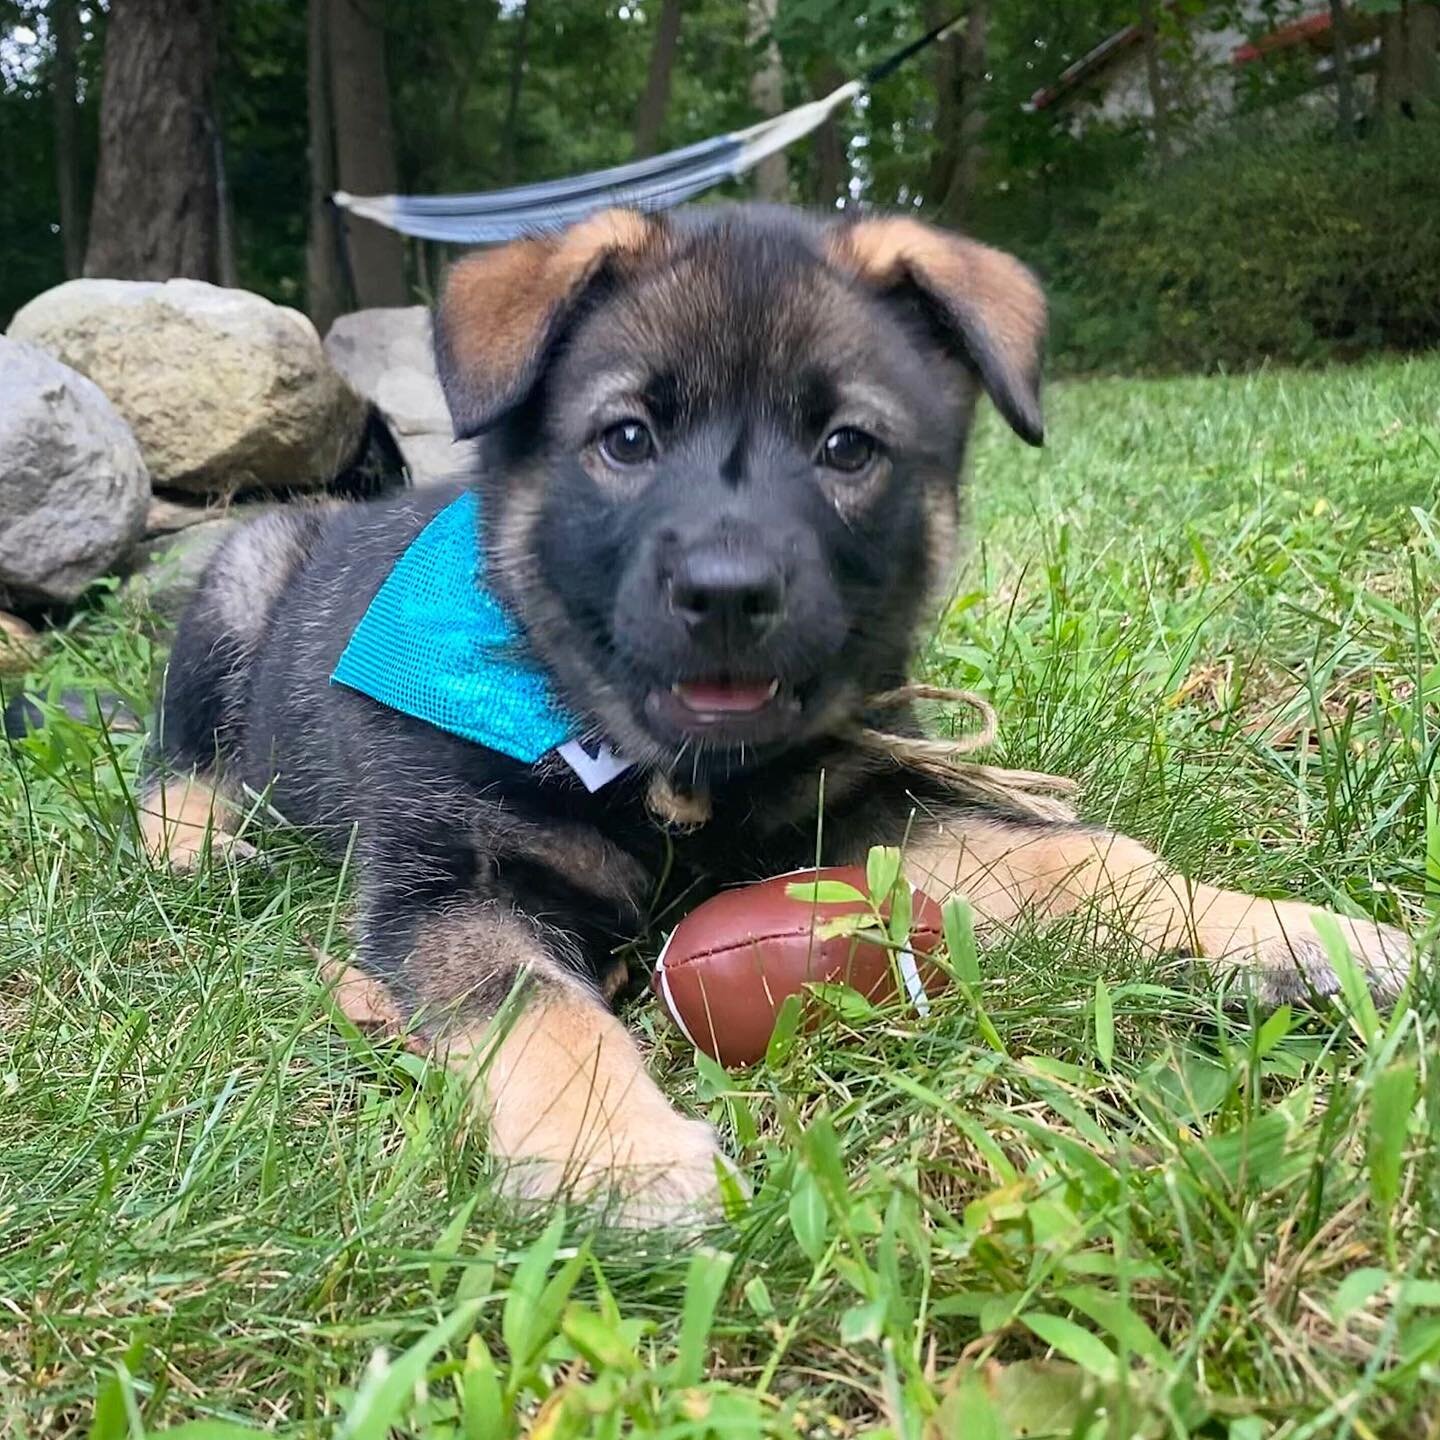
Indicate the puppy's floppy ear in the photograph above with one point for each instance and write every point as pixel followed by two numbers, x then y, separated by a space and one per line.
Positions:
pixel 502 309
pixel 990 307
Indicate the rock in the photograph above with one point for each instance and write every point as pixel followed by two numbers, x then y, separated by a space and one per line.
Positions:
pixel 165 569
pixel 165 517
pixel 26 713
pixel 19 645
pixel 224 391
pixel 388 356
pixel 73 485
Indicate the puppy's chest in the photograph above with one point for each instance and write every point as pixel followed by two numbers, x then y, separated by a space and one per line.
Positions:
pixel 608 864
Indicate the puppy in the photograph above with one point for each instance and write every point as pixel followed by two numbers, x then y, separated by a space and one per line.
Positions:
pixel 717 500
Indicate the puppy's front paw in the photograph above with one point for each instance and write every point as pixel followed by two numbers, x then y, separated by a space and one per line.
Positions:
pixel 640 1171
pixel 1284 956
pixel 187 851
pixel 572 1112
pixel 184 821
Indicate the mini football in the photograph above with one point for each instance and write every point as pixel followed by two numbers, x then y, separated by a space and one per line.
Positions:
pixel 729 964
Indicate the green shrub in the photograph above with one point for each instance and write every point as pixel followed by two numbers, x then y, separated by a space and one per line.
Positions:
pixel 1296 250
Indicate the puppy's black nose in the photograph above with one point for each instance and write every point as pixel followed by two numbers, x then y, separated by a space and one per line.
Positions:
pixel 727 597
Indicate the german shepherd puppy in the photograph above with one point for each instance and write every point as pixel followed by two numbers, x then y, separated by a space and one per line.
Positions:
pixel 720 498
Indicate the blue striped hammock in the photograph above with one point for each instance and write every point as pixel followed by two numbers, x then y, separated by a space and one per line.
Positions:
pixel 655 183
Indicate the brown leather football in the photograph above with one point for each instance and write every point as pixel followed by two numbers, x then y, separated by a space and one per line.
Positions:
pixel 730 963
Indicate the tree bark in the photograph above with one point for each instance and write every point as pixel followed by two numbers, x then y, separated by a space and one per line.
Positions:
pixel 1409 60
pixel 650 113
pixel 65 18
pixel 831 163
pixel 1424 54
pixel 510 130
pixel 324 280
pixel 1344 77
pixel 226 265
pixel 767 94
pixel 156 206
pixel 365 146
pixel 1154 78
pixel 1391 85
pixel 960 61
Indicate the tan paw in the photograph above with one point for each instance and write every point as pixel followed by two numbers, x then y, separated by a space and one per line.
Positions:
pixel 1284 955
pixel 182 823
pixel 185 852
pixel 573 1113
pixel 647 1172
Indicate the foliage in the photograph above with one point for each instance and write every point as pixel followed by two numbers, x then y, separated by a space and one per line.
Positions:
pixel 29 200
pixel 1081 1199
pixel 1258 249
pixel 1263 245
pixel 449 66
pixel 260 95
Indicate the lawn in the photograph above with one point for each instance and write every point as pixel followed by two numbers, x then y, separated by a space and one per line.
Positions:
pixel 1086 1197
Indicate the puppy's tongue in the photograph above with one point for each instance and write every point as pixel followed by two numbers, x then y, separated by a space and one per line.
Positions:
pixel 725 697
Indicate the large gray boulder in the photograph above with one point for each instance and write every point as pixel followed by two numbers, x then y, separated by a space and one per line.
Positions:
pixel 224 391
pixel 388 356
pixel 73 485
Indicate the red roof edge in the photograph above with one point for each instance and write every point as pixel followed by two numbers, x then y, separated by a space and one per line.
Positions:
pixel 1297 32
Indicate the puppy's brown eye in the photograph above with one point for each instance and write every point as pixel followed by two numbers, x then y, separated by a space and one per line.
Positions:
pixel 628 443
pixel 848 450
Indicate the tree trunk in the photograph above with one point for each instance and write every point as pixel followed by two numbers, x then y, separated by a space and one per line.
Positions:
pixel 767 94
pixel 1409 60
pixel 1425 54
pixel 365 146
pixel 946 69
pixel 1391 86
pixel 1154 78
pixel 831 163
pixel 156 211
pixel 1344 77
pixel 324 281
pixel 510 130
pixel 64 16
pixel 650 114
pixel 226 267
pixel 959 116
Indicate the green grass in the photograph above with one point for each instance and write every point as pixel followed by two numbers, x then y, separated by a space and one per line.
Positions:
pixel 1125 1209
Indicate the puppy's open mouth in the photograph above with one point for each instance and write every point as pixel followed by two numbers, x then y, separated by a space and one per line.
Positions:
pixel 724 707
pixel 725 697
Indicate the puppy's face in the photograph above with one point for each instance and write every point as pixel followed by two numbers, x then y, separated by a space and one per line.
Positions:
pixel 726 487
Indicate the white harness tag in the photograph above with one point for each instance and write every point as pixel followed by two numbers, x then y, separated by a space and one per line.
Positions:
pixel 594 770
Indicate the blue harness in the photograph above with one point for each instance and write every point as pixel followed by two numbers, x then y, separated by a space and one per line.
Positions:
pixel 437 643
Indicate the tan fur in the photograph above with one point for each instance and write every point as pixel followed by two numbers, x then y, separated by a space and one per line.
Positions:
pixel 498 304
pixel 986 293
pixel 571 1110
pixel 181 818
pixel 1009 870
pixel 1001 291
pixel 558 1078
pixel 942 545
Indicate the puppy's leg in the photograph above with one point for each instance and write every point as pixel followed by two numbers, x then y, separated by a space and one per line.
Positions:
pixel 1006 868
pixel 180 817
pixel 559 1079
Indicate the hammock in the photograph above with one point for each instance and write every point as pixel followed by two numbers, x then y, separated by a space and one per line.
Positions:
pixel 655 183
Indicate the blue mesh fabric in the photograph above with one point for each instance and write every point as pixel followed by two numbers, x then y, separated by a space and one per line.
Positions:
pixel 436 644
